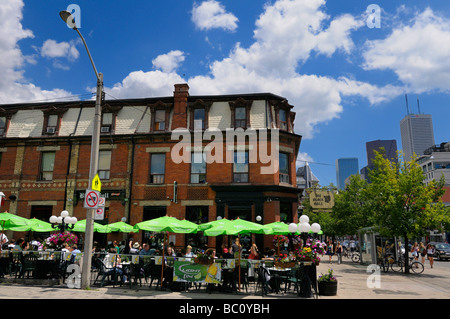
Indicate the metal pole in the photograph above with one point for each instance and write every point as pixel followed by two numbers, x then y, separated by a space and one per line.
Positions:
pixel 88 240
pixel 95 146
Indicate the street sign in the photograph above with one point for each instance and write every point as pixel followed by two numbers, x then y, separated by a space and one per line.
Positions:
pixel 91 199
pixel 96 184
pixel 99 213
pixel 101 201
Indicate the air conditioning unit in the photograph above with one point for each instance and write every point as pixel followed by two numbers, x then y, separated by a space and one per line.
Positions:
pixel 104 129
pixel 51 130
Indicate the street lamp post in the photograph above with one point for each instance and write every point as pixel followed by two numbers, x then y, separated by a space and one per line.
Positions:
pixel 88 240
pixel 63 222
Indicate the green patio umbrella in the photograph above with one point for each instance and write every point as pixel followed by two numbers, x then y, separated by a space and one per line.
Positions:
pixel 80 226
pixel 167 224
pixel 215 223
pixel 120 227
pixel 236 227
pixel 35 225
pixel 8 220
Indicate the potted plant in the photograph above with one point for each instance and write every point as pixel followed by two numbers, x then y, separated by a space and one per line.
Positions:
pixel 205 258
pixel 327 284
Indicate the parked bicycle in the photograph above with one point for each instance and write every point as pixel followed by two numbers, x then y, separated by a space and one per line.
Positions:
pixel 353 255
pixel 415 266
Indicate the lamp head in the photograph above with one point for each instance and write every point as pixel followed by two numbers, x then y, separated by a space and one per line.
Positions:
pixel 68 19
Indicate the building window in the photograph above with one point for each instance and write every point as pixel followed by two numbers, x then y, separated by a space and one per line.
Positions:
pixel 52 124
pixel 2 126
pixel 284 168
pixel 157 168
pixel 107 123
pixel 198 168
pixel 283 119
pixel 47 165
pixel 240 117
pixel 199 119
pixel 240 167
pixel 104 164
pixel 160 120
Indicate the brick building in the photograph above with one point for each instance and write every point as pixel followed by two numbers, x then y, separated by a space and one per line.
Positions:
pixel 45 158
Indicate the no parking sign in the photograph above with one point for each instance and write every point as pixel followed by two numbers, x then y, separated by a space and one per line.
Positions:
pixel 99 213
pixel 91 199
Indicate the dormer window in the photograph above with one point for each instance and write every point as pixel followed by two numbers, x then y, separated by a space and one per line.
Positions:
pixel 107 122
pixel 2 126
pixel 240 117
pixel 52 124
pixel 199 119
pixel 160 120
pixel 283 120
pixel 52 120
pixel 240 113
pixel 198 114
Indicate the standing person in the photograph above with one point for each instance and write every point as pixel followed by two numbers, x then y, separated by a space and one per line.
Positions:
pixel 423 252
pixel 430 254
pixel 339 252
pixel 330 251
pixel 3 240
pixel 415 251
pixel 236 247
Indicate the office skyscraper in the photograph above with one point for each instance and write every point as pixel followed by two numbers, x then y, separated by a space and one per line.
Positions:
pixel 417 134
pixel 345 167
pixel 390 150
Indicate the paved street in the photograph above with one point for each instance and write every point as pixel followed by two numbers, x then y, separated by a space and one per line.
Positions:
pixel 354 282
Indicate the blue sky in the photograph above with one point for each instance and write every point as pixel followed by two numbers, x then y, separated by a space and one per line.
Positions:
pixel 347 81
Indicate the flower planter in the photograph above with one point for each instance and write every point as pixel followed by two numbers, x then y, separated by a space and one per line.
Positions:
pixel 327 288
pixel 284 264
pixel 203 261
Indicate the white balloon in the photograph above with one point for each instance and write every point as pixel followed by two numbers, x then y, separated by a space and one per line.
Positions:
pixel 315 227
pixel 304 219
pixel 304 227
pixel 292 228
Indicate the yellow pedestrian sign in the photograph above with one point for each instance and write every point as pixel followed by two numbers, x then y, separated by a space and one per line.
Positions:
pixel 96 184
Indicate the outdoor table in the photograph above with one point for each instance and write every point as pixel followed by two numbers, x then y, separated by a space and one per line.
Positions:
pixel 276 273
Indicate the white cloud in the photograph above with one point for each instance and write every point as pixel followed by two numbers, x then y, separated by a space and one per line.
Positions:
pixel 13 88
pixel 286 34
pixel 53 49
pixel 170 61
pixel 211 14
pixel 145 84
pixel 418 53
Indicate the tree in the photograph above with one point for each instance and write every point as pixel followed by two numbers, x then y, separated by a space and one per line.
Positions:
pixel 402 205
pixel 352 207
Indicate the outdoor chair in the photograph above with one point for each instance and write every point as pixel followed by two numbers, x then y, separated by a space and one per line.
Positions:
pixel 263 278
pixel 15 265
pixel 155 274
pixel 28 265
pixel 293 279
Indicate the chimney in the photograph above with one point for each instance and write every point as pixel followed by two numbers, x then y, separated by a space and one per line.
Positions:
pixel 180 99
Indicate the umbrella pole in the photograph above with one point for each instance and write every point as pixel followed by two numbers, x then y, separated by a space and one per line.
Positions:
pixel 163 261
pixel 240 249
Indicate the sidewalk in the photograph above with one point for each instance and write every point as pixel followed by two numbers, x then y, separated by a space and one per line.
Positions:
pixel 352 284
pixel 360 282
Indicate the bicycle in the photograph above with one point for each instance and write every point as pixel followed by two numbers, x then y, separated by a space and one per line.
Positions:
pixel 354 256
pixel 416 266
